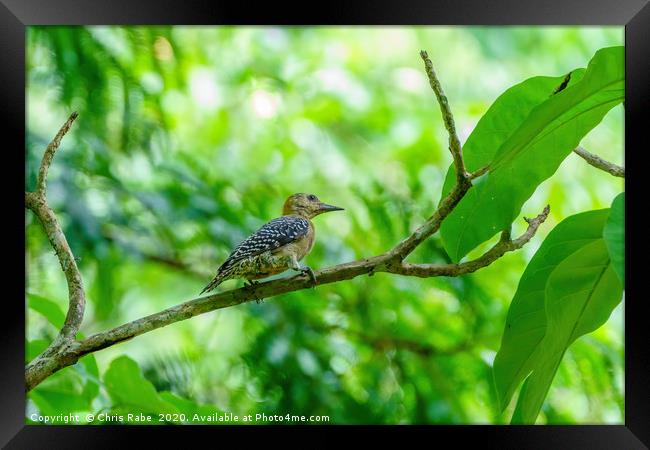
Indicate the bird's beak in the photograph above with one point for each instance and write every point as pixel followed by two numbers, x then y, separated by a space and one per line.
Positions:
pixel 324 207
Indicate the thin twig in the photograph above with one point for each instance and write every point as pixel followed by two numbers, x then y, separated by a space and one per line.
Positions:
pixel 600 163
pixel 480 172
pixel 504 245
pixel 49 155
pixel 448 118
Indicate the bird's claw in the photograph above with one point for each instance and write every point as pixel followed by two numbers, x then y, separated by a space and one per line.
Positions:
pixel 250 284
pixel 312 277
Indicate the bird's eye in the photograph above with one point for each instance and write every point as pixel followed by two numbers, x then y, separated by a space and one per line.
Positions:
pixel 312 197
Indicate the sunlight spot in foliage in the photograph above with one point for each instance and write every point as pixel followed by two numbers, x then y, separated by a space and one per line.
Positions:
pixel 404 132
pixel 488 356
pixel 278 350
pixel 335 317
pixel 96 201
pixel 307 362
pixel 339 364
pixel 114 41
pixel 264 104
pixel 204 89
pixel 275 38
pixel 152 82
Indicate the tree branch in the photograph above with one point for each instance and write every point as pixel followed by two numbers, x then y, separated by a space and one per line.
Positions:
pixel 55 356
pixel 51 149
pixel 454 143
pixel 37 202
pixel 65 350
pixel 272 288
pixel 600 163
pixel 504 245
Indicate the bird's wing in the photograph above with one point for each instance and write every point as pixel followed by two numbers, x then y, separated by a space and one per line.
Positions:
pixel 274 234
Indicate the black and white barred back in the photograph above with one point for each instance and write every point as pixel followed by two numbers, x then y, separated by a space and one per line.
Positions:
pixel 271 236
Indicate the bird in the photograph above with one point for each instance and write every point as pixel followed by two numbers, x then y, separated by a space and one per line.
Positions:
pixel 278 245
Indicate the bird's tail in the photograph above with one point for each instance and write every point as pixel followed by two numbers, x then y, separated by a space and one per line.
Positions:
pixel 216 281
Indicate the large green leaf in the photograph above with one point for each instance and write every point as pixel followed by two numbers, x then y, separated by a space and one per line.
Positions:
pixel 34 348
pixel 533 150
pixel 105 291
pixel 72 389
pixel 503 117
pixel 49 309
pixel 131 392
pixel 87 368
pixel 526 320
pixel 61 393
pixel 58 402
pixel 581 294
pixel 614 235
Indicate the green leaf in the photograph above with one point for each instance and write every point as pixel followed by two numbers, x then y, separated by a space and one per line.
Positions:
pixel 614 235
pixel 49 309
pixel 503 117
pixel 61 393
pixel 106 292
pixel 581 293
pixel 526 320
pixel 531 150
pixel 35 348
pixel 602 83
pixel 72 389
pixel 131 392
pixel 87 368
pixel 54 402
pixel 517 417
pixel 85 373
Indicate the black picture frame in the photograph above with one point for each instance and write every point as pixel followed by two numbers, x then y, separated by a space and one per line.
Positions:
pixel 15 15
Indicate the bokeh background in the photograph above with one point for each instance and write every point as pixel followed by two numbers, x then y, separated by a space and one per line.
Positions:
pixel 189 138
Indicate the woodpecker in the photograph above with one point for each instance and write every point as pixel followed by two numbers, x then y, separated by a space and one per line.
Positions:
pixel 278 245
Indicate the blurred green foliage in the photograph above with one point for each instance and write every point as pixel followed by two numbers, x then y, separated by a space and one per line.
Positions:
pixel 189 138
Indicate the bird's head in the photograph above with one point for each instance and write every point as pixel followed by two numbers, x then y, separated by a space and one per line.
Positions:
pixel 306 205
